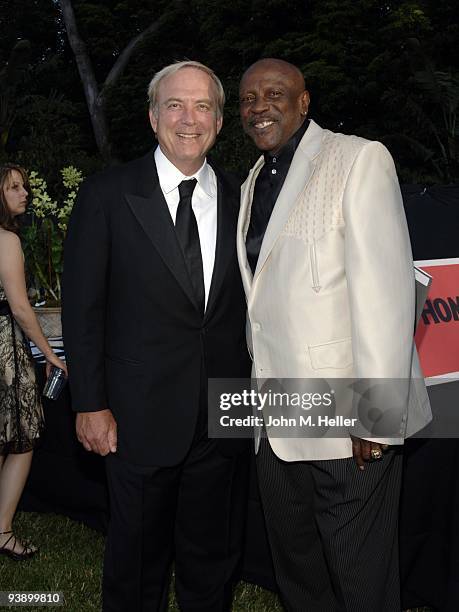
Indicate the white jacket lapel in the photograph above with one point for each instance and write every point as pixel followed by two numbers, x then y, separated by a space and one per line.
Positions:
pixel 243 223
pixel 298 176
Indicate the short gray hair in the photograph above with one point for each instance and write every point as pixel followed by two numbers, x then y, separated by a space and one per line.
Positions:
pixel 153 87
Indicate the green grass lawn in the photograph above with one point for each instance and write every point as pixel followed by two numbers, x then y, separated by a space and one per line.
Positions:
pixel 70 560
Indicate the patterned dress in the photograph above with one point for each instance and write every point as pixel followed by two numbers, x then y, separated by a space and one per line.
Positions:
pixel 21 412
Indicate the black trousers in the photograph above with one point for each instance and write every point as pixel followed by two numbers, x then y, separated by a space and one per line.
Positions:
pixel 333 531
pixel 192 513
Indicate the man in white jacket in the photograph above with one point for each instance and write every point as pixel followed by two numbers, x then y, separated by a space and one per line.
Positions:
pixel 327 268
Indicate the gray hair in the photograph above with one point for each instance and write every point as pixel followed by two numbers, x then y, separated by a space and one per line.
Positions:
pixel 153 87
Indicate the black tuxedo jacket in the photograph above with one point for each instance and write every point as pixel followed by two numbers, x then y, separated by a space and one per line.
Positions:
pixel 134 338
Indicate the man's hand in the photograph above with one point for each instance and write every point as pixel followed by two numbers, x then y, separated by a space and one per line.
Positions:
pixel 364 450
pixel 97 431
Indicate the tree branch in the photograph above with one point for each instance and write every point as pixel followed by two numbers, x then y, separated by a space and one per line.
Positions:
pixel 123 59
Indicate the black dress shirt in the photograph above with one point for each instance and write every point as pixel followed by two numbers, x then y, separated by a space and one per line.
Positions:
pixel 267 189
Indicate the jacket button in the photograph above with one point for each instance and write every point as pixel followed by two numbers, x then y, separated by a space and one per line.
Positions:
pixel 256 327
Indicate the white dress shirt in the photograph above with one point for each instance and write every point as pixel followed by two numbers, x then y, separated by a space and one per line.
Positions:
pixel 203 203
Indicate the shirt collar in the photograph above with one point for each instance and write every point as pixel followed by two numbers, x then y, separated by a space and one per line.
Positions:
pixel 290 146
pixel 170 176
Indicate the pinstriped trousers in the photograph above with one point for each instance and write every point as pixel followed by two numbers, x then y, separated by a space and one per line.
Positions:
pixel 333 531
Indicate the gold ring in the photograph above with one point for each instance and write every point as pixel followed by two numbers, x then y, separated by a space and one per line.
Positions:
pixel 376 453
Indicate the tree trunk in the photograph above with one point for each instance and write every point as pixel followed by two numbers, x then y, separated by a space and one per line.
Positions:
pixel 93 97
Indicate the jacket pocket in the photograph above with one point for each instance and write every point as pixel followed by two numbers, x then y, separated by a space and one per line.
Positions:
pixel 314 268
pixel 123 360
pixel 336 354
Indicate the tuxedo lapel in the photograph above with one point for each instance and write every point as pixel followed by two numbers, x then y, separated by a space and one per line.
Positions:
pixel 226 244
pixel 152 213
pixel 244 221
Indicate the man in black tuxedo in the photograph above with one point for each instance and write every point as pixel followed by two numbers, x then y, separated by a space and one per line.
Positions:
pixel 153 307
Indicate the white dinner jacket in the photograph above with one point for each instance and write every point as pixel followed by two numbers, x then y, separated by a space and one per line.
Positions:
pixel 333 291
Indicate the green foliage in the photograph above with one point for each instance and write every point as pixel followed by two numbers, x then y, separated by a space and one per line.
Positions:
pixel 43 236
pixel 431 106
pixel 46 132
pixel 355 54
pixel 12 75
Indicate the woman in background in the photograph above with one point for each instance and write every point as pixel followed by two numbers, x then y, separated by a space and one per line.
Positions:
pixel 21 413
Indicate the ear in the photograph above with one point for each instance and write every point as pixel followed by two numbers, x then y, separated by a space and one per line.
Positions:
pixel 219 124
pixel 153 120
pixel 304 103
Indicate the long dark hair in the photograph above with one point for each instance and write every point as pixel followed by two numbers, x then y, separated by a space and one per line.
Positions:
pixel 7 220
